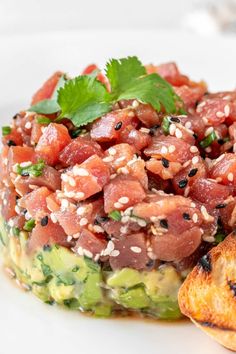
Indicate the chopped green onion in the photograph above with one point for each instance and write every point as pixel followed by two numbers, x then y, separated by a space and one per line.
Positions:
pixel 115 215
pixel 29 225
pixel 165 125
pixel 75 133
pixel 16 231
pixel 34 170
pixel 6 130
pixel 219 237
pixel 208 140
pixel 43 120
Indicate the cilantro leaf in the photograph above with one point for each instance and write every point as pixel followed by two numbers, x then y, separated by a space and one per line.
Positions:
pixel 47 106
pixel 83 99
pixel 122 72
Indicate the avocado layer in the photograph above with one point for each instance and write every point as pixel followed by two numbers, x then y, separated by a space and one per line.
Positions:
pixel 55 274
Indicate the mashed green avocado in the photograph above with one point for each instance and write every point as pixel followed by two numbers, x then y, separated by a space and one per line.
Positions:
pixel 55 274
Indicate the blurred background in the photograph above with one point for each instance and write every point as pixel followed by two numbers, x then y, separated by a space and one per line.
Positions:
pixel 32 16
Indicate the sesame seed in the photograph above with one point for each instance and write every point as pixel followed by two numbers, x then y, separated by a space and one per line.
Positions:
pixel 208 238
pixel 220 114
pixel 136 249
pixel 193 172
pixel 125 219
pixel 98 229
pixel 165 162
pixel 230 177
pixel 72 182
pixel 80 251
pixel 205 214
pixel 113 176
pixel 178 133
pixel 186 191
pixel 64 177
pixel 83 222
pixel 227 110
pixel 28 216
pixel 53 218
pixel 80 210
pixel 44 221
pixel 11 223
pixel 193 149
pixel 25 164
pixel 195 218
pixel 28 125
pixel 123 200
pixel 186 216
pixel 131 114
pixel 108 159
pixel 114 253
pixel 208 149
pixel 164 150
pixel 118 126
pixel 112 151
pixel 64 204
pixel 164 223
pixel 135 104
pixel 144 130
pixel 188 125
pixel 87 253
pixel 110 247
pixel 171 148
pixel 69 238
pixel 209 131
pixel 193 205
pixel 220 206
pixel 183 183
pixel 122 158
pixel 118 205
pixel 123 229
pixel 141 222
pixel 17 209
pixel 123 170
pixel 195 160
pixel 79 195
pixel 4 202
pixel 175 119
pixel 79 171
pixel 154 218
pixel 172 129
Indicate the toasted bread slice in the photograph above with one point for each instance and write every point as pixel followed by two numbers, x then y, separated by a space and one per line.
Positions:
pixel 208 295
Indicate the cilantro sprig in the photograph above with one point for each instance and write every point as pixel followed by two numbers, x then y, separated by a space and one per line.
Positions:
pixel 84 98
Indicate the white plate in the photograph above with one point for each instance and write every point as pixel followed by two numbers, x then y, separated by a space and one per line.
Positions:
pixel 26 324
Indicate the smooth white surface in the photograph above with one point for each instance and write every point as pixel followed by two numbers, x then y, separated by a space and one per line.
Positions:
pixel 28 326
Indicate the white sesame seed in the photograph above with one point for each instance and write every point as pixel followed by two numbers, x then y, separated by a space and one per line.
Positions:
pixel 193 205
pixel 17 209
pixel 25 164
pixel 112 151
pixel 195 160
pixel 220 114
pixel 28 216
pixel 230 177
pixel 110 247
pixel 144 130
pixel 108 159
pixel 131 114
pixel 79 171
pixel 64 177
pixel 171 148
pixel 11 223
pixel 4 202
pixel 69 238
pixel 83 222
pixel 186 191
pixel 164 150
pixel 205 214
pixel 88 254
pixel 122 158
pixel 141 222
pixel 193 149
pixel 195 218
pixel 227 110
pixel 115 253
pixel 64 204
pixel 208 149
pixel 53 218
pixel 125 219
pixel 208 238
pixel 79 195
pixel 123 170
pixel 98 229
pixel 70 194
pixel 118 205
pixel 152 256
pixel 202 104
pixel 80 251
pixel 81 210
pixel 154 218
pixel 209 131
pixel 136 249
pixel 28 125
pixel 33 186
pixel 123 229
pixel 113 176
pixel 123 200
pixel 172 129
pixel 178 133
pixel 188 125
pixel 72 182
pixel 135 104
pixel 43 129
pixel 5 162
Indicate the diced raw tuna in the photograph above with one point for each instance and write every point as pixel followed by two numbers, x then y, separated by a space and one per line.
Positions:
pixel 35 202
pixel 90 244
pixel 47 89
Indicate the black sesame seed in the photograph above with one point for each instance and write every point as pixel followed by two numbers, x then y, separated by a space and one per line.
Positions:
pixel 11 143
pixel 192 172
pixel 153 129
pixel 220 141
pixel 150 263
pixel 175 119
pixel 165 162
pixel 47 248
pixel 118 126
pixel 164 223
pixel 15 116
pixel 101 219
pixel 205 263
pixel 232 287
pixel 44 221
pixel 186 216
pixel 183 183
pixel 25 174
pixel 17 197
pixel 220 206
pixel 195 136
